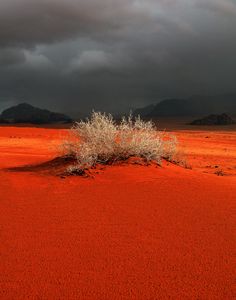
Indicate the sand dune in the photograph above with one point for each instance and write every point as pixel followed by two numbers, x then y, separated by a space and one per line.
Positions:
pixel 130 232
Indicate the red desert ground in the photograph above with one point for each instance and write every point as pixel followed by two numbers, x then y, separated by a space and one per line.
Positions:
pixel 131 232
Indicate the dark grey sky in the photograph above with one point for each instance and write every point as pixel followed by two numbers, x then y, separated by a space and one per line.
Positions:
pixel 75 55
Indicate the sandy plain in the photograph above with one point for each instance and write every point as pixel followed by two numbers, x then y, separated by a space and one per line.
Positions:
pixel 130 232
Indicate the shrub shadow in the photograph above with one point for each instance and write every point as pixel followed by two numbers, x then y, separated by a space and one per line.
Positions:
pixel 55 166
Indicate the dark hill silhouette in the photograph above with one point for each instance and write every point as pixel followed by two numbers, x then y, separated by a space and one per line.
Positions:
pixel 222 119
pixel 194 106
pixel 147 110
pixel 26 113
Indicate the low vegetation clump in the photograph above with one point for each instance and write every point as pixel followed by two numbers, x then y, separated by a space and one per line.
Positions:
pixel 101 140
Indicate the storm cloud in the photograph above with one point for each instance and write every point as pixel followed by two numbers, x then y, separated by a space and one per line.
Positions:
pixel 75 55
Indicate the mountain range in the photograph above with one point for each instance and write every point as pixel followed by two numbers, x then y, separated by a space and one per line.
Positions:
pixel 194 106
pixel 26 113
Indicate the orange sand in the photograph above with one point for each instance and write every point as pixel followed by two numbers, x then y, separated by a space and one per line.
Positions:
pixel 132 232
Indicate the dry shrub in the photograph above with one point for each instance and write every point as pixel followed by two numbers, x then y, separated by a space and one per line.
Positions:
pixel 100 140
pixel 220 172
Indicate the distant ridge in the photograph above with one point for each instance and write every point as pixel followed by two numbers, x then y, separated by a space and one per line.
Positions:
pixel 194 106
pixel 222 119
pixel 26 113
